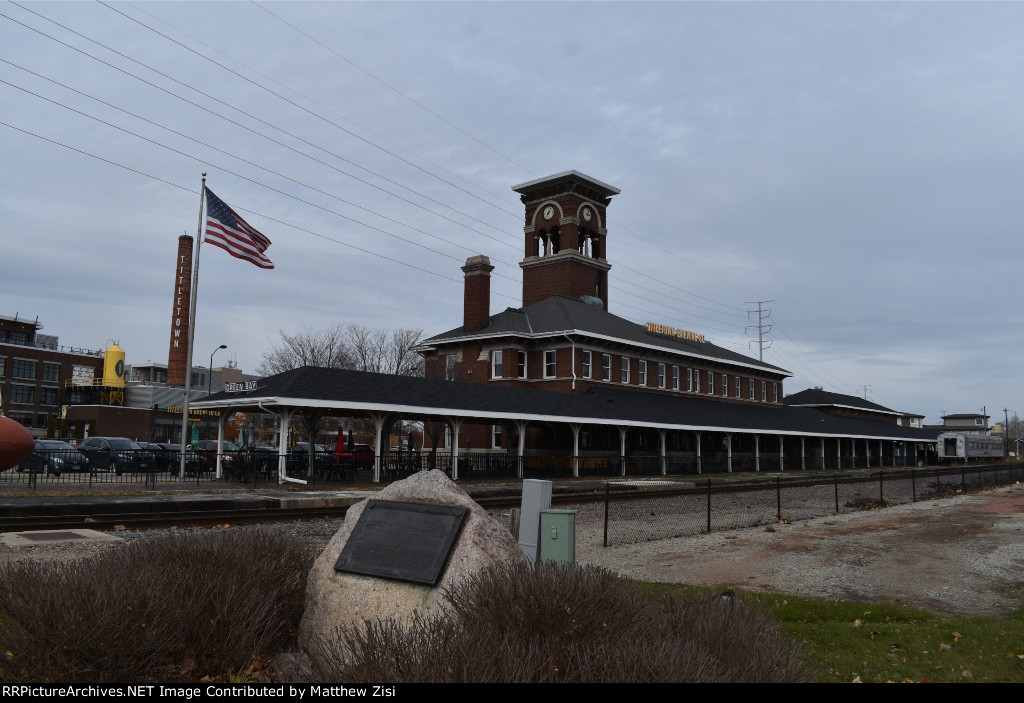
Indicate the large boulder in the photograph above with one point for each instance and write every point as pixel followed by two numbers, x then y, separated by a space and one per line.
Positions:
pixel 334 598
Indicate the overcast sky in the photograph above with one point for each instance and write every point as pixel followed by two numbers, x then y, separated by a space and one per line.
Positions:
pixel 859 164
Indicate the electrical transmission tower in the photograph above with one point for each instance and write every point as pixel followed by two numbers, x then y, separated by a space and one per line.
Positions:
pixel 762 328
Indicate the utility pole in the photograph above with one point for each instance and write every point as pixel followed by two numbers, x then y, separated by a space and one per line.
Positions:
pixel 1006 432
pixel 762 328
pixel 866 389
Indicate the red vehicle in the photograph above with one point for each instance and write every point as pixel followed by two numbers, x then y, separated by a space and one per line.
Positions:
pixel 359 457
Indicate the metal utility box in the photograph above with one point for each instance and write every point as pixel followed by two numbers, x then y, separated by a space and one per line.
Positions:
pixel 536 497
pixel 557 540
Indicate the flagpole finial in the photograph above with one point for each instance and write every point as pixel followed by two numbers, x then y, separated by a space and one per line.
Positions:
pixel 204 174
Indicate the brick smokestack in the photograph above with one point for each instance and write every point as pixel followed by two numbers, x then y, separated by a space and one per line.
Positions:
pixel 477 300
pixel 177 355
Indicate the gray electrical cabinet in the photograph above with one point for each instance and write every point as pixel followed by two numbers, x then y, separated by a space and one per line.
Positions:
pixel 557 539
pixel 536 497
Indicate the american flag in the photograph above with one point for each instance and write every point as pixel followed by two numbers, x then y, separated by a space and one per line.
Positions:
pixel 225 229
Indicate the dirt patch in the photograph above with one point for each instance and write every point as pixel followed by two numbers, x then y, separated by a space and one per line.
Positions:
pixel 954 555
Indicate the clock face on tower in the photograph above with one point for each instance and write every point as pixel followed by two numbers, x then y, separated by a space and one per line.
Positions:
pixel 586 214
pixel 548 212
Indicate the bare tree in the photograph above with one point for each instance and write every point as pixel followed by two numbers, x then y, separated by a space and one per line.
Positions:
pixel 351 346
pixel 327 348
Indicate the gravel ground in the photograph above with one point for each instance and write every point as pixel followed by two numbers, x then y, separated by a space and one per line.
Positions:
pixel 955 555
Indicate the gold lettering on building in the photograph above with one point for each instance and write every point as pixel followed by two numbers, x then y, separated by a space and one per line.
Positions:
pixel 655 328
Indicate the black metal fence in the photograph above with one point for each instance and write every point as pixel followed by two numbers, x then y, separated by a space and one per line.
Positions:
pixel 636 511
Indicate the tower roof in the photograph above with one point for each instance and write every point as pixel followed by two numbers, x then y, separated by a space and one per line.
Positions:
pixel 566 176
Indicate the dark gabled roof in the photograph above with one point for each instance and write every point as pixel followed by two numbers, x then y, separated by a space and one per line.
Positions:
pixel 963 416
pixel 560 314
pixel 816 397
pixel 413 396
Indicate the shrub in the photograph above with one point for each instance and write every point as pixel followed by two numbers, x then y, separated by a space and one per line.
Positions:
pixel 176 608
pixel 567 624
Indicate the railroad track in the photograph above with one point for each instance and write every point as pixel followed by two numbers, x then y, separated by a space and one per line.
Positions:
pixel 148 521
pixel 621 491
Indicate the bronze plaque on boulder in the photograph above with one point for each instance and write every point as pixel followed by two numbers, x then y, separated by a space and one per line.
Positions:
pixel 402 541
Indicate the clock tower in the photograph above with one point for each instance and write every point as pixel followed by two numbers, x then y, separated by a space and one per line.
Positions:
pixel 565 237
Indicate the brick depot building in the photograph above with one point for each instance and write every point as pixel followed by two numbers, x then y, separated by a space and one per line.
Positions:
pixel 564 339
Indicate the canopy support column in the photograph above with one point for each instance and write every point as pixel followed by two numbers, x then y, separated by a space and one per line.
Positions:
pixel 379 420
pixel 456 425
pixel 521 429
pixel 575 448
pixel 661 445
pixel 282 442
pixel 622 450
pixel 221 416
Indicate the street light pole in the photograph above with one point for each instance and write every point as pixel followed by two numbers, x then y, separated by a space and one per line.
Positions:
pixel 209 383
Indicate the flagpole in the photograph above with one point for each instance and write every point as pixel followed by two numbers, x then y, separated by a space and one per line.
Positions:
pixel 191 333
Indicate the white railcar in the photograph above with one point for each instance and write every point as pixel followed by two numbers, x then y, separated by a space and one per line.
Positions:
pixel 961 446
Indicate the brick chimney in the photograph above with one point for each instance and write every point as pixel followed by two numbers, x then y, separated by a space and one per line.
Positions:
pixel 177 354
pixel 477 300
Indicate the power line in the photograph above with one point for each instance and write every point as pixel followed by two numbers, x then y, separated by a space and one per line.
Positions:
pixel 395 90
pixel 683 302
pixel 251 116
pixel 236 207
pixel 297 105
pixel 257 119
pixel 320 105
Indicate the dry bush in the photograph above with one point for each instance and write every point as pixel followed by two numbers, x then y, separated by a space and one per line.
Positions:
pixel 567 624
pixel 177 608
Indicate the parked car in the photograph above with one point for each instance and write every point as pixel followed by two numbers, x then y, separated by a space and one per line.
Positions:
pixel 359 457
pixel 298 459
pixel 170 460
pixel 257 460
pixel 207 448
pixel 117 454
pixel 52 456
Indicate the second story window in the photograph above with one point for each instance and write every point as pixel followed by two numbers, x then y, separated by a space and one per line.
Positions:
pixel 661 375
pixel 689 380
pixel 764 391
pixel 725 385
pixel 606 367
pixel 521 364
pixel 25 395
pixel 496 357
pixel 751 389
pixel 675 378
pixel 641 373
pixel 625 369
pixel 23 368
pixel 586 364
pixel 550 363
pixel 737 387
pixel 711 383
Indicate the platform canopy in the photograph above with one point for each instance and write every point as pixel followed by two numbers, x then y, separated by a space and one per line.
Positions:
pixel 357 393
